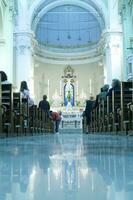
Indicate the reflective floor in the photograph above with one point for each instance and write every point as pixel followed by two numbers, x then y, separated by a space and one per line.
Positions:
pixel 66 167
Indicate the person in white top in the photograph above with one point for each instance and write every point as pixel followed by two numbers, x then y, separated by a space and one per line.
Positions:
pixel 25 94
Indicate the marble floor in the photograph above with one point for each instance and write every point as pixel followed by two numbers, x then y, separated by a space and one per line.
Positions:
pixel 69 166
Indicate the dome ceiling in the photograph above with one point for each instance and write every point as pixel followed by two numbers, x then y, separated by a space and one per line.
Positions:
pixel 68 26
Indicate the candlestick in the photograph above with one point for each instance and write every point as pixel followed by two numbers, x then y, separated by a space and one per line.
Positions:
pixel 49 181
pixel 90 87
pixel 48 89
pixel 60 88
pixel 77 88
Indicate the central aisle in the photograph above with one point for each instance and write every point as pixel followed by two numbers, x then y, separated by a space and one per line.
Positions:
pixel 66 167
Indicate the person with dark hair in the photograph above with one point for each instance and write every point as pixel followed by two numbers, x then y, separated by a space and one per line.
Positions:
pixel 115 86
pixel 88 109
pixel 25 93
pixel 56 117
pixel 3 77
pixel 44 104
pixel 103 94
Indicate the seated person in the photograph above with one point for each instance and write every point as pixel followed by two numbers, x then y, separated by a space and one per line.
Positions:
pixel 3 78
pixel 96 102
pixel 56 117
pixel 115 87
pixel 88 109
pixel 103 94
pixel 25 93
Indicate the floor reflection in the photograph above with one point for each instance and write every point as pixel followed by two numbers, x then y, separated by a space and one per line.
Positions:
pixel 68 166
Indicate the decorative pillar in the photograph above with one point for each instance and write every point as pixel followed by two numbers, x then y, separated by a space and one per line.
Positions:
pixel 24 59
pixel 113 56
pixel 2 54
pixel 130 67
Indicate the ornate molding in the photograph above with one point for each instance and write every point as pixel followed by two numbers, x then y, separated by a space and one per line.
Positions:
pixel 24 41
pixel 2 42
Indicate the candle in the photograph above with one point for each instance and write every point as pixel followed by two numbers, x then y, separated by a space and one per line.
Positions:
pixel 48 89
pixel 90 87
pixel 49 181
pixel 60 87
pixel 77 88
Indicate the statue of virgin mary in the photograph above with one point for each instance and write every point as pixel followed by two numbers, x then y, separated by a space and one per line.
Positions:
pixel 69 94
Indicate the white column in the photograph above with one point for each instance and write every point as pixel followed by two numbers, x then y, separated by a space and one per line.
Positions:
pixel 130 63
pixel 113 56
pixel 24 59
pixel 114 18
pixel 107 65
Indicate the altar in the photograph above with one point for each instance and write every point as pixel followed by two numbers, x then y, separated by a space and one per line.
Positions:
pixel 71 120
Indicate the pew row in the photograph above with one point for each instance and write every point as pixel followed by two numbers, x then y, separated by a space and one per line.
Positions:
pixel 115 114
pixel 17 118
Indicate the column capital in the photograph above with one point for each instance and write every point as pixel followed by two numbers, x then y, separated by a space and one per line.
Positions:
pixel 24 40
pixel 110 39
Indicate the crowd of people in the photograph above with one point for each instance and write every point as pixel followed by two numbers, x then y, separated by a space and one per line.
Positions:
pixel 105 91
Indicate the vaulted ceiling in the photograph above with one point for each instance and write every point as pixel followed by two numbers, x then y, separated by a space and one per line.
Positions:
pixel 68 25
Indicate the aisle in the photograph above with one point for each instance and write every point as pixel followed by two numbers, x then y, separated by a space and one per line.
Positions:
pixel 66 167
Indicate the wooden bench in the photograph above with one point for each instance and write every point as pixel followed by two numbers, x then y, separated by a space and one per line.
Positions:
pixel 25 117
pixel 126 100
pixel 6 108
pixel 17 110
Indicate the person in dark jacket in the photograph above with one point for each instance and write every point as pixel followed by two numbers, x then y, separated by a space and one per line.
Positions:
pixel 88 109
pixel 103 94
pixel 44 104
pixel 115 86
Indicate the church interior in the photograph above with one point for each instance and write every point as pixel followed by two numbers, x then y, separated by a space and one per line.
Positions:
pixel 66 99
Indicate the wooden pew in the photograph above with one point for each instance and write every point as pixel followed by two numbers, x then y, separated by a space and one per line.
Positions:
pixel 100 117
pixel 25 115
pixel 109 114
pixel 1 110
pixel 48 124
pixel 116 104
pixel 17 110
pixel 126 99
pixel 7 107
pixel 104 115
pixel 33 119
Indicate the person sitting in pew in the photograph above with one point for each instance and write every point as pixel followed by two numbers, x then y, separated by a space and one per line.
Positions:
pixel 3 78
pixel 25 94
pixel 96 102
pixel 115 86
pixel 103 94
pixel 4 81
